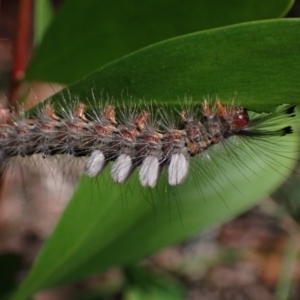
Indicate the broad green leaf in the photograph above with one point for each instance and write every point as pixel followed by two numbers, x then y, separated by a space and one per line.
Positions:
pixel 42 16
pixel 107 224
pixel 256 64
pixel 86 35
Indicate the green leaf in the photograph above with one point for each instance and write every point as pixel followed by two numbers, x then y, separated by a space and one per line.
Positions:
pixel 42 16
pixel 107 224
pixel 257 64
pixel 86 35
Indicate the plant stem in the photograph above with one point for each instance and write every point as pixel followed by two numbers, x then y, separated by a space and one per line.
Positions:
pixel 21 47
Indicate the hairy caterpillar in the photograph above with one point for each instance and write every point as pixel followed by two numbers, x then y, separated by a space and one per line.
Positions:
pixel 141 139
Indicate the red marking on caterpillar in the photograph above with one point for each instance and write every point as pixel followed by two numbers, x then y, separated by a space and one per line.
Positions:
pixel 139 139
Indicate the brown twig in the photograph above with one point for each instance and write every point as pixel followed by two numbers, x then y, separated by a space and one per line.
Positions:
pixel 24 23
